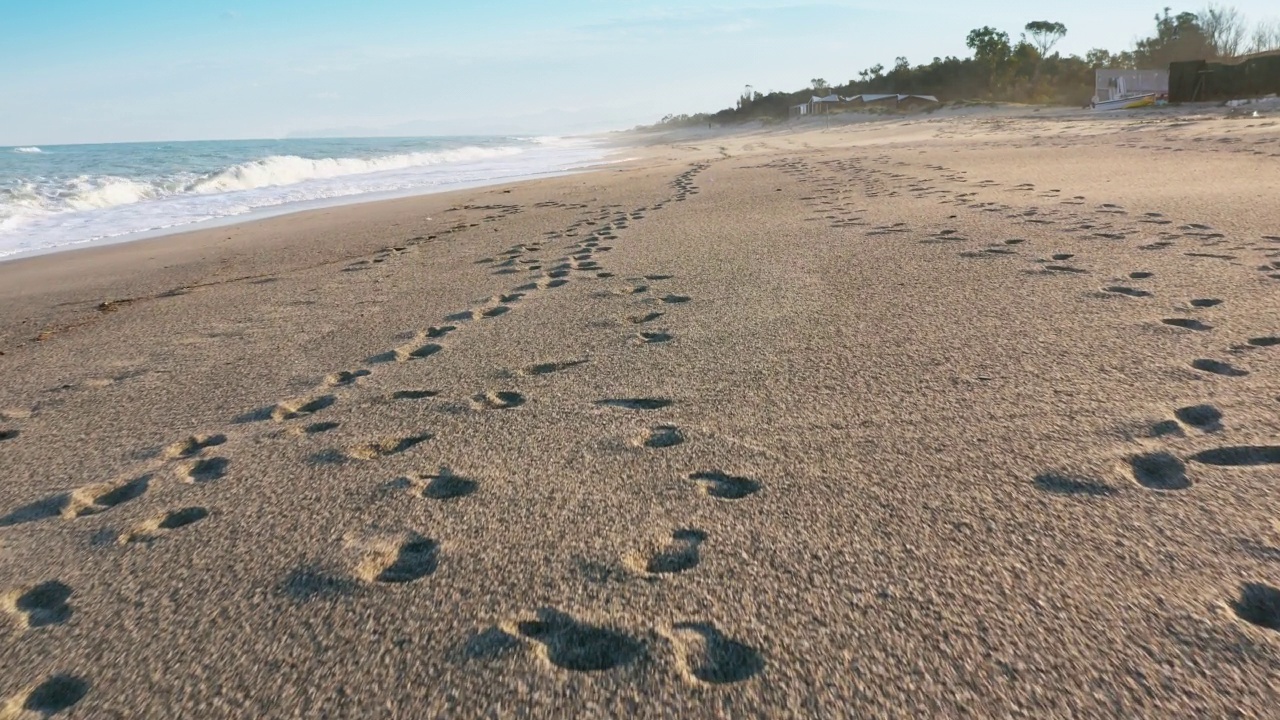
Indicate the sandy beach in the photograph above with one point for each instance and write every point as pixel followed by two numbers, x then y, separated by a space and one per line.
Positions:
pixel 943 416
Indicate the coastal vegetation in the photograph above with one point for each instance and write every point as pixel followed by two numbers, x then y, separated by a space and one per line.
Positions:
pixel 1025 70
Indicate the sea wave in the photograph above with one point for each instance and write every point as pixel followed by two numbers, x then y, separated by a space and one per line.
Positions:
pixel 86 192
pixel 60 202
pixel 290 169
pixel 31 149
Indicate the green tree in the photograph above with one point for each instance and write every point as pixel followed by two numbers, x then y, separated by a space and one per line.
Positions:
pixel 1024 61
pixel 1099 58
pixel 1045 34
pixel 989 45
pixel 992 51
pixel 818 84
pixel 1178 37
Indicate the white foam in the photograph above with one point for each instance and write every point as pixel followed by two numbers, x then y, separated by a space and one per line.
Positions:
pixel 88 193
pixel 32 149
pixel 289 169
pixel 38 217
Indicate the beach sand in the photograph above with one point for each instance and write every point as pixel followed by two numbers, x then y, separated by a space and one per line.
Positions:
pixel 940 417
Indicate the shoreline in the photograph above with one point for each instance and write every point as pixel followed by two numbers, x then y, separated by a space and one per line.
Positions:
pixel 269 213
pixel 607 155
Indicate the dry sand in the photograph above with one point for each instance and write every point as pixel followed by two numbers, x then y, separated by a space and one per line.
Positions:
pixel 944 417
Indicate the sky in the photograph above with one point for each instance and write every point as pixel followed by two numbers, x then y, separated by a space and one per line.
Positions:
pixel 77 71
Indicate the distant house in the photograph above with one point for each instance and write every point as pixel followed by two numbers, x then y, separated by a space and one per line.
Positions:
pixel 894 100
pixel 1114 84
pixel 834 103
pixel 824 104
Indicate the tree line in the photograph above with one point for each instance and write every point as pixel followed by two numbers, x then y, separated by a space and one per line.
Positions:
pixel 1028 70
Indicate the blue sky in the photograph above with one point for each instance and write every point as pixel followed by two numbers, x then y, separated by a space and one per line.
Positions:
pixel 97 71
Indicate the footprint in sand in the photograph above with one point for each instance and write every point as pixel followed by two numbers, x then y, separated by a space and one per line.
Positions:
pixel 444 485
pixel 498 400
pixel 707 655
pixel 1259 604
pixel 636 403
pixel 100 497
pixel 8 434
pixel 345 377
pixel 654 338
pixel 661 436
pixel 723 486
pixel 158 526
pixel 1123 290
pixel 193 446
pixel 642 319
pixel 1159 471
pixel 203 470
pixel 1217 367
pixel 291 409
pixel 385 447
pixel 405 353
pixel 436 332
pixel 87 500
pixel 1203 417
pixel 399 560
pixel 678 554
pixel 1240 456
pixel 1187 323
pixel 414 394
pixel 39 605
pixel 578 646
pixel 418 353
pixel 1206 302
pixel 47 699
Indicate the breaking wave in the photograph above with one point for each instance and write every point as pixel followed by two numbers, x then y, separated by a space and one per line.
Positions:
pixel 32 149
pixel 94 192
pixel 290 169
pixel 146 187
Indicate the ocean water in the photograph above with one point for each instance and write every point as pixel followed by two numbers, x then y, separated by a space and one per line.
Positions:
pixel 57 197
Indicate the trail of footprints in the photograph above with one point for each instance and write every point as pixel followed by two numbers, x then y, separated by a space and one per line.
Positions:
pixel 836 202
pixel 706 655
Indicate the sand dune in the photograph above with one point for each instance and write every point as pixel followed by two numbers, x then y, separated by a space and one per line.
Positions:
pixel 952 416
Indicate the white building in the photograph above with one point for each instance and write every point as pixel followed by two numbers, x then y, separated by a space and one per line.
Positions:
pixel 1112 84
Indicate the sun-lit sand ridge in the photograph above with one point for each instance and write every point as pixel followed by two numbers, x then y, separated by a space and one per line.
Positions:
pixel 947 416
